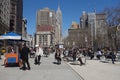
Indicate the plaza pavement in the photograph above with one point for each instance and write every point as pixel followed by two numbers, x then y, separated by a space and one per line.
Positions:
pixel 92 70
pixel 47 70
pixel 97 70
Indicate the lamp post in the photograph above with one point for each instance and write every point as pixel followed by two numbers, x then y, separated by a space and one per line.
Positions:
pixel 86 41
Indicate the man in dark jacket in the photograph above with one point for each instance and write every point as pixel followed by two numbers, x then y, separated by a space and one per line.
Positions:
pixel 112 55
pixel 24 55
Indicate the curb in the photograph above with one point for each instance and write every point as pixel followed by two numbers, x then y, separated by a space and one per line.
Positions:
pixel 81 78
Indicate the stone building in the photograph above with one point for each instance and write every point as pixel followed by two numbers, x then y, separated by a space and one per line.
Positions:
pixel 4 16
pixel 48 27
pixel 11 16
pixel 45 27
pixel 73 38
pixel 16 15
pixel 96 26
pixel 92 32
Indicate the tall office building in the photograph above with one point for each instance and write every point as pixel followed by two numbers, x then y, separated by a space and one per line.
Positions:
pixel 96 24
pixel 49 27
pixel 45 27
pixel 19 16
pixel 13 10
pixel 58 30
pixel 16 15
pixel 83 20
pixel 11 16
pixel 4 16
pixel 101 30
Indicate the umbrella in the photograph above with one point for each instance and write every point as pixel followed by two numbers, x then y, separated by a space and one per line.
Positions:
pixel 10 35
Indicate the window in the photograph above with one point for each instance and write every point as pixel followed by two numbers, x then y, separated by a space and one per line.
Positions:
pixel 0 11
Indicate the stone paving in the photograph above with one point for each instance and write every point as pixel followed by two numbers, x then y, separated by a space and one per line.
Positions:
pixel 98 70
pixel 45 71
pixel 92 70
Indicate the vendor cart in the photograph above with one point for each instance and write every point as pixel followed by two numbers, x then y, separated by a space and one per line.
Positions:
pixel 11 58
pixel 11 55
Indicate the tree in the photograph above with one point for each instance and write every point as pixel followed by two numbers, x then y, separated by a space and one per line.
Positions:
pixel 113 21
pixel 113 15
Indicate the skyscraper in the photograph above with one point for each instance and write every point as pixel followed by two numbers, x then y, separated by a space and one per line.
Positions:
pixel 11 16
pixel 16 15
pixel 58 34
pixel 96 25
pixel 45 27
pixel 4 15
pixel 48 27
pixel 19 16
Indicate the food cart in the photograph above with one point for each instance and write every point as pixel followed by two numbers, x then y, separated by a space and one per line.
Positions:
pixel 11 58
pixel 11 55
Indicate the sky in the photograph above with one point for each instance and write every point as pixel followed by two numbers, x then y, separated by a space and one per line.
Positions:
pixel 71 10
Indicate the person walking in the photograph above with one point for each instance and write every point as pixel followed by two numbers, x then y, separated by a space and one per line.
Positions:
pixel 74 54
pixel 112 55
pixel 39 53
pixel 58 56
pixel 24 56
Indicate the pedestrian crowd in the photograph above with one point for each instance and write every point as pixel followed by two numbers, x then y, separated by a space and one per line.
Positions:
pixel 67 54
pixel 78 53
pixel 37 52
pixel 75 53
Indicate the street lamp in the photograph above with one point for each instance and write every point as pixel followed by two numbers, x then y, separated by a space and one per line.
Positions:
pixel 86 41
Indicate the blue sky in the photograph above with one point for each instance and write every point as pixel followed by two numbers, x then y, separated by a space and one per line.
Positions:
pixel 71 10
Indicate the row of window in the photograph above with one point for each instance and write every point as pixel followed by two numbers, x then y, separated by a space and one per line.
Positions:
pixel 4 11
pixel 43 38
pixel 4 5
pixel 4 20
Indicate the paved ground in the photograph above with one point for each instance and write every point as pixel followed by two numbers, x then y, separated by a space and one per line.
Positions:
pixel 46 71
pixel 98 70
pixel 93 70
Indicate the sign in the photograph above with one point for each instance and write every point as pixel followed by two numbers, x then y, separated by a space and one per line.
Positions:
pixel 60 46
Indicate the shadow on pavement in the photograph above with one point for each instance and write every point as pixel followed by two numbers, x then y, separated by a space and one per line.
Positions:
pixel 74 63
pixel 56 63
pixel 104 61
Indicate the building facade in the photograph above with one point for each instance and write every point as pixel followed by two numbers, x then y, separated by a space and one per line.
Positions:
pixel 92 32
pixel 74 38
pixel 16 15
pixel 13 13
pixel 24 29
pixel 58 28
pixel 45 27
pixel 101 30
pixel 19 16
pixel 11 16
pixel 48 27
pixel 97 28
pixel 4 16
